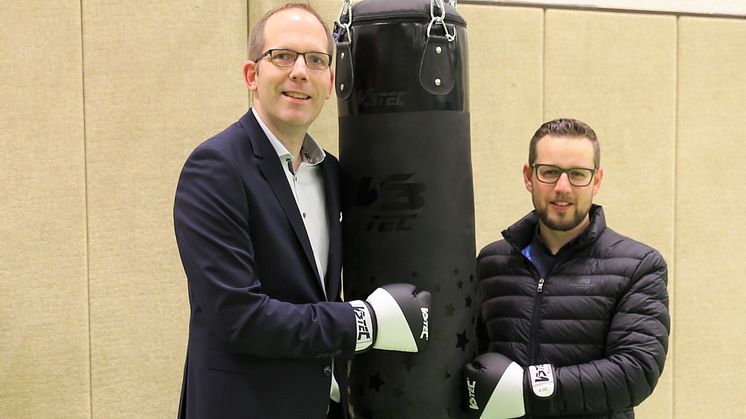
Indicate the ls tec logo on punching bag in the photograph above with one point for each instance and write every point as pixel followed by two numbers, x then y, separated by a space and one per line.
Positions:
pixel 398 202
pixel 373 99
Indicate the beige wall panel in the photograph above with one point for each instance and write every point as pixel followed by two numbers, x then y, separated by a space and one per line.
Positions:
pixel 160 77
pixel 43 284
pixel 505 87
pixel 710 226
pixel 617 72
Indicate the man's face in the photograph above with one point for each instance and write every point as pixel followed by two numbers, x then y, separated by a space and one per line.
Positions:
pixel 562 206
pixel 289 99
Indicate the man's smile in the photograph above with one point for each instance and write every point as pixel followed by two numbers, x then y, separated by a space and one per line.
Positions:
pixel 296 95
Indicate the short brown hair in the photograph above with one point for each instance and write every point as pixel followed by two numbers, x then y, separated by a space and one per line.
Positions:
pixel 256 39
pixel 567 127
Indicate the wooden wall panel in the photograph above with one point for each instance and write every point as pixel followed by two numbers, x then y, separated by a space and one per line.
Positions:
pixel 159 79
pixel 43 283
pixel 710 225
pixel 617 72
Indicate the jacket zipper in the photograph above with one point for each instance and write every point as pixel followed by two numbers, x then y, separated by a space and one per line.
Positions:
pixel 535 320
pixel 533 342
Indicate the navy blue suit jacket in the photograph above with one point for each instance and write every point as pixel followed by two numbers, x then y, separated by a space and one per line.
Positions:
pixel 262 336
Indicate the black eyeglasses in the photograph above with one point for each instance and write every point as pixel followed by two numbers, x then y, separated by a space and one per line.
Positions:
pixel 549 173
pixel 286 58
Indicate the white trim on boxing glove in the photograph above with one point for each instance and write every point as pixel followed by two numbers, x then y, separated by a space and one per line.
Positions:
pixel 507 398
pixel 393 329
pixel 365 326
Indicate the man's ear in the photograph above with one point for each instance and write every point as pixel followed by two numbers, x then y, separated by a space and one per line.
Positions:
pixel 527 174
pixel 597 179
pixel 249 74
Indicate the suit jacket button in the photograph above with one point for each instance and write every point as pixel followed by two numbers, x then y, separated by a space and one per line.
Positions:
pixel 327 371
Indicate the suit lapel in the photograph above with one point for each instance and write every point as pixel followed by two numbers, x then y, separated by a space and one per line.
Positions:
pixel 274 173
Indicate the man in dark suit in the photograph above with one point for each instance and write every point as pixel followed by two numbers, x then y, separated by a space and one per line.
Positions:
pixel 258 225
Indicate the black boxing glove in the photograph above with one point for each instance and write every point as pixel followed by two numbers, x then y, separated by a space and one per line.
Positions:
pixel 395 317
pixel 493 385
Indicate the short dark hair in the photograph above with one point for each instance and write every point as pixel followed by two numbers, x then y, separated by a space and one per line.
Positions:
pixel 566 127
pixel 256 39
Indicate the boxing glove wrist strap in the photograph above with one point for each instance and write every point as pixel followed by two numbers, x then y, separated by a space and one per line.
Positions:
pixel 541 380
pixel 365 325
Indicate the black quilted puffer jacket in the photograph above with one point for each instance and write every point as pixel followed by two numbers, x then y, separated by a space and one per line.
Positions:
pixel 600 317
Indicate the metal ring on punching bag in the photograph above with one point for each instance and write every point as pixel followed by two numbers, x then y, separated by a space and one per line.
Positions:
pixel 402 96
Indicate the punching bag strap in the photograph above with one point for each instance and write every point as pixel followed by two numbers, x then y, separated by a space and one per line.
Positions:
pixel 437 74
pixel 345 75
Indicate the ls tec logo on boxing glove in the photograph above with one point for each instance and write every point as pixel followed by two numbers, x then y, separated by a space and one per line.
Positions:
pixel 471 387
pixel 425 333
pixel 365 326
pixel 542 380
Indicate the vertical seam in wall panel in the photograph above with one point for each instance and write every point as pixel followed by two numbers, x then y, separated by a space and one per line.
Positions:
pixel 675 209
pixel 543 66
pixel 87 246
pixel 248 30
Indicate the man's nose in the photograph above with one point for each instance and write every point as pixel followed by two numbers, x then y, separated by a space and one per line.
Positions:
pixel 563 183
pixel 299 69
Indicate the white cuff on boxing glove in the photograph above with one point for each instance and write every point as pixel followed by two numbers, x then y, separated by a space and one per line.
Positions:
pixel 365 325
pixel 541 379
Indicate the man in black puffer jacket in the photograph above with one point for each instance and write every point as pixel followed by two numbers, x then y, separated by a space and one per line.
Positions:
pixel 575 314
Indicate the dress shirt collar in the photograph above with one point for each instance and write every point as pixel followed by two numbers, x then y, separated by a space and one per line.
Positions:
pixel 312 153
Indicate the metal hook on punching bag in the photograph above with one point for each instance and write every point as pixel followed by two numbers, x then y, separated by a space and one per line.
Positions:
pixel 439 19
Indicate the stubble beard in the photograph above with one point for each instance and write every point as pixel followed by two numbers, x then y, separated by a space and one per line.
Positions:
pixel 563 223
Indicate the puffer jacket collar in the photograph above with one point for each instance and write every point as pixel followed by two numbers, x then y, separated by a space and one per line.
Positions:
pixel 521 233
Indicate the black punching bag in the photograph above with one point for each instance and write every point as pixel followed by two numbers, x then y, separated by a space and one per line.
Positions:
pixel 402 89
